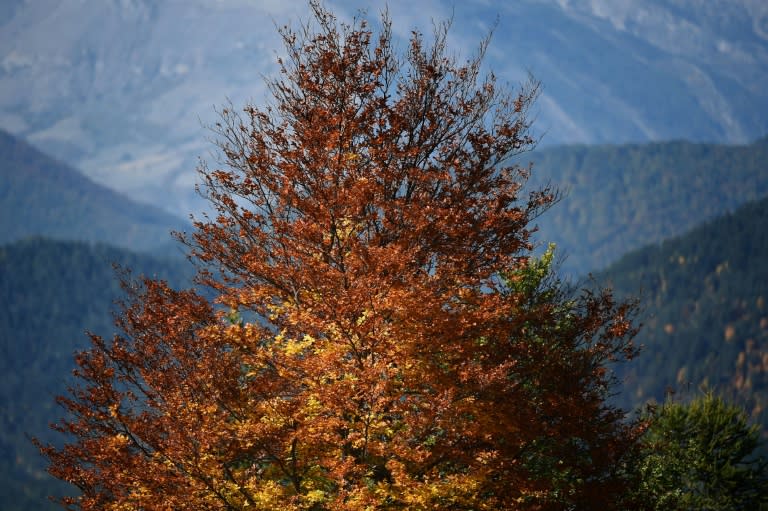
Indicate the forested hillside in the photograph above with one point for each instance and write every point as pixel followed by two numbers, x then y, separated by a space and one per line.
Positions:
pixel 619 198
pixel 52 292
pixel 40 196
pixel 705 308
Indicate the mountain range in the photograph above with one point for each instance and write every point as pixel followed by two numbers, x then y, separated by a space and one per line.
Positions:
pixel 703 299
pixel 615 198
pixel 121 88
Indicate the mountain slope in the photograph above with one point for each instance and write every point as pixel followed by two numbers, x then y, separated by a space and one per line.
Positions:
pixel 52 292
pixel 619 198
pixel 42 197
pixel 705 301
pixel 118 88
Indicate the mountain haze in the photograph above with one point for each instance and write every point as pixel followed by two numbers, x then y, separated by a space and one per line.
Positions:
pixel 119 88
pixel 618 198
pixel 40 196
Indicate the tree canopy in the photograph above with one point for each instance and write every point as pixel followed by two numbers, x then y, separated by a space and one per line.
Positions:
pixel 703 455
pixel 382 337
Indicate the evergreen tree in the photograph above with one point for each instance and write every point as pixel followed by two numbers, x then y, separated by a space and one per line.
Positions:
pixel 703 455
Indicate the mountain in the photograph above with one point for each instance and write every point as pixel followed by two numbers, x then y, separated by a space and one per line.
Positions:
pixel 40 196
pixel 704 299
pixel 618 198
pixel 52 293
pixel 120 88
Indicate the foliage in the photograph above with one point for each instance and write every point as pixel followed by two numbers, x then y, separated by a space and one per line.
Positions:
pixel 702 455
pixel 549 341
pixel 622 197
pixel 40 196
pixel 705 313
pixel 383 339
pixel 51 291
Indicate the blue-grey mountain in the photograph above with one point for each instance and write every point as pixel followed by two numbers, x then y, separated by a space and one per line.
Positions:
pixel 617 198
pixel 40 196
pixel 119 87
pixel 52 292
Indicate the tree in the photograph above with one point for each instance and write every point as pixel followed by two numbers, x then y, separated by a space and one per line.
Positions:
pixel 382 337
pixel 702 455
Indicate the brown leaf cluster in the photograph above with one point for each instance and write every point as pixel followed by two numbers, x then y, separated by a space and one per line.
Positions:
pixel 381 340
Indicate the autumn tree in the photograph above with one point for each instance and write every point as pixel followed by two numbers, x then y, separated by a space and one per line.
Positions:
pixel 382 337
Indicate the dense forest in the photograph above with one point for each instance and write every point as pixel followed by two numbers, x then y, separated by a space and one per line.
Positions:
pixel 52 293
pixel 621 197
pixel 704 299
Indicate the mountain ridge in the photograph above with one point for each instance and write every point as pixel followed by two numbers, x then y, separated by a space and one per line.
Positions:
pixel 40 196
pixel 53 292
pixel 704 300
pixel 120 89
pixel 618 198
